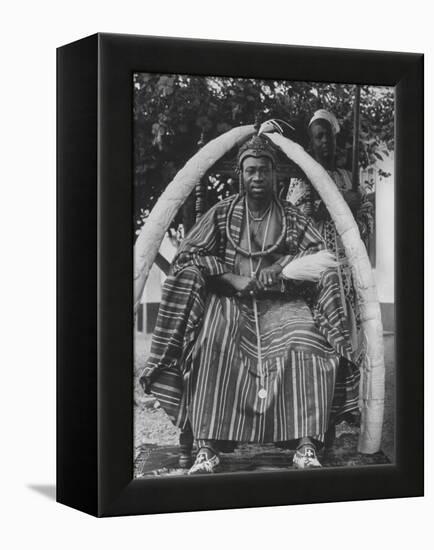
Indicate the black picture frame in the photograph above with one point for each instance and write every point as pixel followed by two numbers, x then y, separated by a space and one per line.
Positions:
pixel 95 274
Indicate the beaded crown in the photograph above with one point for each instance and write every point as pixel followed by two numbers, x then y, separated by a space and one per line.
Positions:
pixel 257 146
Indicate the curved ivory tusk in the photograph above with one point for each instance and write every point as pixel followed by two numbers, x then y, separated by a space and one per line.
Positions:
pixel 149 240
pixel 372 376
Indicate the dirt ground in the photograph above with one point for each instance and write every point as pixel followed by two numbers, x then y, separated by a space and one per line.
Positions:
pixel 153 430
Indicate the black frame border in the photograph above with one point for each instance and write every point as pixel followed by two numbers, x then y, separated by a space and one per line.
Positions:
pixel 119 56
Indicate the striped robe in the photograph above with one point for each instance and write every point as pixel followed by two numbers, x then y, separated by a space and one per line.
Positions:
pixel 203 364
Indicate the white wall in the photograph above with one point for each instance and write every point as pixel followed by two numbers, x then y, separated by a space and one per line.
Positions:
pixel 152 290
pixel 385 233
pixel 154 283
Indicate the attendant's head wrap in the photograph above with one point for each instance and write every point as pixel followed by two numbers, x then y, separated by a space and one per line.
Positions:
pixel 322 114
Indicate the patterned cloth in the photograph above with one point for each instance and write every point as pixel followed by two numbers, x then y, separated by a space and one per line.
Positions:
pixel 203 366
pixel 302 195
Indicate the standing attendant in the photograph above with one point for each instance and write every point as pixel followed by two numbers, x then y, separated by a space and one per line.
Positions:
pixel 323 128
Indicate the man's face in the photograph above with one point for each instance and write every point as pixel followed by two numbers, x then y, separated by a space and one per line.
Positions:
pixel 323 141
pixel 258 178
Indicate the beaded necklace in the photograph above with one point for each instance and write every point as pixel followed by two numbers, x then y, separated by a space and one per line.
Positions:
pixel 264 251
pixel 259 218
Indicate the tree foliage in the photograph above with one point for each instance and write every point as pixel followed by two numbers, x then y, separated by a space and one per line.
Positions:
pixel 173 114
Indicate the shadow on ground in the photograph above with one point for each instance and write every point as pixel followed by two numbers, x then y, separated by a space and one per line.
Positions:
pixel 48 491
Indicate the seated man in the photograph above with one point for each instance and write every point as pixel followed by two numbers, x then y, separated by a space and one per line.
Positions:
pixel 238 353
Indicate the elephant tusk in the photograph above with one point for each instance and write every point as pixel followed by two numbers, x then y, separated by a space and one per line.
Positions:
pixel 149 240
pixel 371 394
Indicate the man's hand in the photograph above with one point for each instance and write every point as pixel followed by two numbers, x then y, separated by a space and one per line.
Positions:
pixel 270 276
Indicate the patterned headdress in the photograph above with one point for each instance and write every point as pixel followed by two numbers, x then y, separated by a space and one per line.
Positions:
pixel 258 146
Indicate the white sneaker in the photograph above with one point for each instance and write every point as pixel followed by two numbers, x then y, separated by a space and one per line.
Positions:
pixel 205 464
pixel 305 457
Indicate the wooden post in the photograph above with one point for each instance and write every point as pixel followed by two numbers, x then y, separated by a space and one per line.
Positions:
pixel 356 119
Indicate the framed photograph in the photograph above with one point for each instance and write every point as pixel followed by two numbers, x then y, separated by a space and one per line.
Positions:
pixel 240 266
